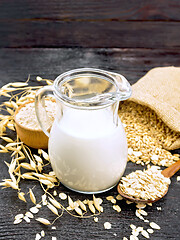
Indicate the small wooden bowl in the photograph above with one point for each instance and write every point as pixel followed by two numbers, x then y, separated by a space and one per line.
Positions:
pixel 31 137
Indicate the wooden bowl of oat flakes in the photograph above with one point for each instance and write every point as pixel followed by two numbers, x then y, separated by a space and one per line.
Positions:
pixel 27 126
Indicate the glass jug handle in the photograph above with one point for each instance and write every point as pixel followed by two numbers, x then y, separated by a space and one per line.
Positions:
pixel 41 113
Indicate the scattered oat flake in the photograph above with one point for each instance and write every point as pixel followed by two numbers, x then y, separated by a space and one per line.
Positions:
pixel 132 226
pixel 149 230
pixel 38 205
pixel 125 238
pixel 38 236
pixel 117 208
pixel 178 178
pixel 135 232
pixel 19 216
pixel 54 238
pixel 159 208
pixel 132 237
pixel 42 233
pixel 154 225
pixel 140 205
pixel 119 197
pixel 107 225
pixel 109 198
pixel 144 213
pixel 145 234
pixel 113 201
pixel 43 221
pixel 27 219
pixel 53 227
pixel 96 219
pixel 29 214
pixel 17 221
pixel 54 193
pixel 128 202
pixel 139 229
pixel 38 78
pixel 63 196
pixel 146 221
pixel 34 210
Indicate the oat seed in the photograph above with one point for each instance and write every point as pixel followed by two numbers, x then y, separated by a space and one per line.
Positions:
pixel 27 219
pixel 43 221
pixel 38 236
pixel 107 225
pixel 145 234
pixel 96 219
pixel 117 208
pixel 149 230
pixel 154 225
pixel 34 210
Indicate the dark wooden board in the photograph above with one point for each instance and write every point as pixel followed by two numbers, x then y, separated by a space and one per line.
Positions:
pixel 90 34
pixel 132 24
pixel 15 65
pixel 88 10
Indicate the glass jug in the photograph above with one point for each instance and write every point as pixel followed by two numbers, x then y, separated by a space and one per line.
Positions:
pixel 87 142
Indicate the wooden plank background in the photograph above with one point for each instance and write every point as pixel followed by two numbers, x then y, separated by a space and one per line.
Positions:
pixel 90 23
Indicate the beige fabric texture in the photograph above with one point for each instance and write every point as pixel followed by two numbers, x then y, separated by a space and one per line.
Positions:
pixel 159 89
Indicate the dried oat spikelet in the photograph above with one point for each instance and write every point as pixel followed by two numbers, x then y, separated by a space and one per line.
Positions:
pixel 82 205
pixel 96 203
pixel 91 207
pixel 10 111
pixel 43 221
pixel 21 196
pixel 32 196
pixel 45 155
pixel 38 158
pixel 47 182
pixel 52 208
pixel 28 175
pixel 12 166
pixel 19 84
pixel 7 139
pixel 55 203
pixel 78 211
pixel 71 203
pixel 27 166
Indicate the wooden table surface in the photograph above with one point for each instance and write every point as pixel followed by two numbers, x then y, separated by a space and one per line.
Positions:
pixel 16 65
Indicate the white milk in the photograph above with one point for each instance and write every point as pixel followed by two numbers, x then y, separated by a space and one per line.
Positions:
pixel 87 152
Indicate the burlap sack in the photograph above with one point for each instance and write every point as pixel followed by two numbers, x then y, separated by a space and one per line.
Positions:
pixel 159 89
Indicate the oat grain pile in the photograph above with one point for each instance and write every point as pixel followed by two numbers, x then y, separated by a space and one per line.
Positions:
pixel 148 184
pixel 147 135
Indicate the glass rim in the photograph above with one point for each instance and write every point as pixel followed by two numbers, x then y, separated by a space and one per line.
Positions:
pixel 101 101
